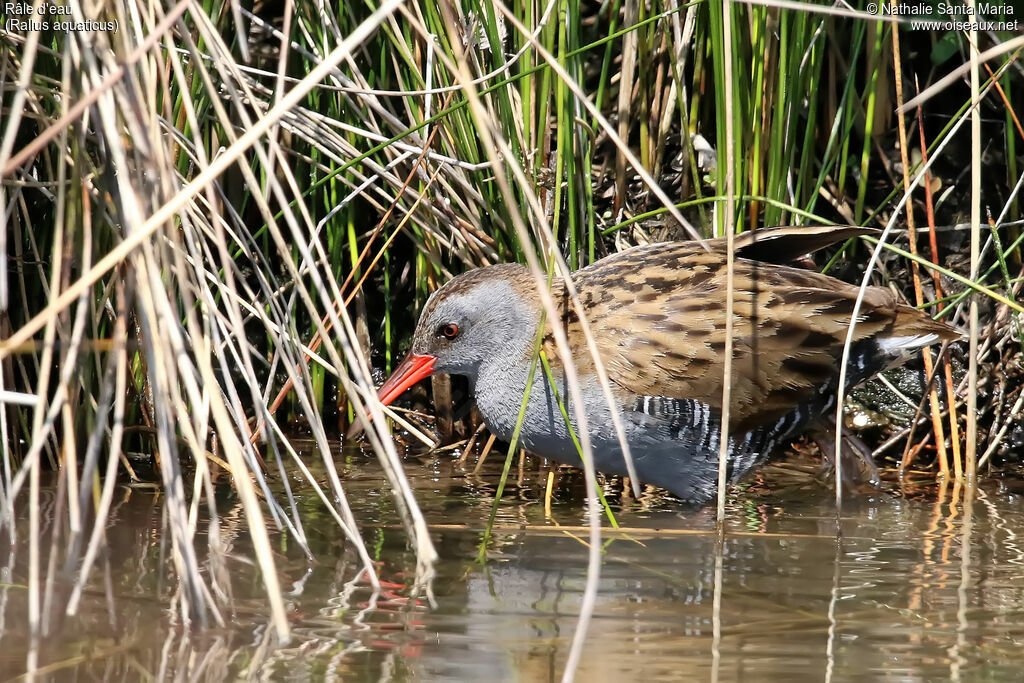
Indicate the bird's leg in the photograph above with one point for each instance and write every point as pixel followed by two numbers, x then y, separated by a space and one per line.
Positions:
pixel 858 464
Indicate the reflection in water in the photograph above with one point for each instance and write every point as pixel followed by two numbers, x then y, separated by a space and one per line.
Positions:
pixel 919 588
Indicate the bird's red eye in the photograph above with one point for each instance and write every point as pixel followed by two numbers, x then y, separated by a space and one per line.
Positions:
pixel 449 331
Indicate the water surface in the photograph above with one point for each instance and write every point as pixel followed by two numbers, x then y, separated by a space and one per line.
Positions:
pixel 921 586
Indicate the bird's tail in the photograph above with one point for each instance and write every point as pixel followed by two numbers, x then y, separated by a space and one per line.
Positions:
pixel 914 330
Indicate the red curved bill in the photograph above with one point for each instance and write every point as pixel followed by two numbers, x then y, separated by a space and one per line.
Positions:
pixel 410 371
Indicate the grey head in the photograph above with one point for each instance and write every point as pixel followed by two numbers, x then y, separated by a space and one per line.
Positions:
pixel 488 315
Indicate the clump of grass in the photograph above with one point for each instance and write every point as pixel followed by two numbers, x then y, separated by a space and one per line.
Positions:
pixel 149 299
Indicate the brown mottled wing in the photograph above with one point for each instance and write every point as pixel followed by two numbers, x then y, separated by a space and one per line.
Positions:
pixel 658 313
pixel 788 243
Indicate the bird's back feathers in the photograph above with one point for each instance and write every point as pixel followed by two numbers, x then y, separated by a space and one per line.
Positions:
pixel 658 315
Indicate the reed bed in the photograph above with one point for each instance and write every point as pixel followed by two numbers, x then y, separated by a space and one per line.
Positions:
pixel 219 219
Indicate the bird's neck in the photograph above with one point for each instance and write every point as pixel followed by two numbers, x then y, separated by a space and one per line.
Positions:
pixel 506 370
pixel 500 384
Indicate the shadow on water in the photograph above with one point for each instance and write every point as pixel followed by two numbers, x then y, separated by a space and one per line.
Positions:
pixel 898 599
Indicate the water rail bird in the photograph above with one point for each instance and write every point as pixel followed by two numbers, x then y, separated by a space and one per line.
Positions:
pixel 657 313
